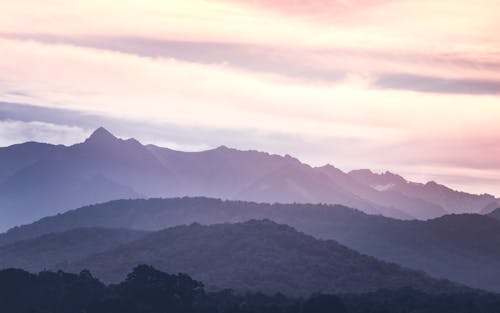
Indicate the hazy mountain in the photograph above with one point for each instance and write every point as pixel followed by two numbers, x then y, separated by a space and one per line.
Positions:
pixel 100 169
pixel 258 176
pixel 450 200
pixel 104 167
pixel 462 248
pixel 257 256
pixel 491 208
pixel 495 214
pixel 20 156
pixel 416 207
pixel 53 251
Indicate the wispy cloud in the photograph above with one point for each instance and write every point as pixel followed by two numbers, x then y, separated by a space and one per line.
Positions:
pixel 438 85
pixel 12 132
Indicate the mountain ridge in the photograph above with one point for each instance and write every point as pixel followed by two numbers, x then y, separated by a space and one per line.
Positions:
pixel 128 169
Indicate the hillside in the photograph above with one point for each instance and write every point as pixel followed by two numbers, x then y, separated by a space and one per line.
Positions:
pixel 495 214
pixel 257 256
pixel 52 251
pixel 470 242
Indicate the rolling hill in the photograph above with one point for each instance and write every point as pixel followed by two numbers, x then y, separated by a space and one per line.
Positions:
pixel 469 241
pixel 52 251
pixel 255 256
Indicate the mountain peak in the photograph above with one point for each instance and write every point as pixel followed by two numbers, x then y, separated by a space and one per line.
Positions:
pixel 101 135
pixel 222 148
pixel 364 172
pixel 368 177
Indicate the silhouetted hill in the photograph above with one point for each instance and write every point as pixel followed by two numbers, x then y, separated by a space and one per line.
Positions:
pixel 104 168
pixel 156 214
pixel 257 256
pixel 52 251
pixel 469 242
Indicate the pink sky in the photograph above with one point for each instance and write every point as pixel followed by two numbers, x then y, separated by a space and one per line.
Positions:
pixel 411 86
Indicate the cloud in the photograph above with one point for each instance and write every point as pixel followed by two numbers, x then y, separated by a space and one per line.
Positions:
pixel 12 132
pixel 315 8
pixel 266 59
pixel 437 84
pixel 304 64
pixel 453 25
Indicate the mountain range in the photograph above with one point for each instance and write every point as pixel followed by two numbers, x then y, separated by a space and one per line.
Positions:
pixel 461 248
pixel 255 256
pixel 104 167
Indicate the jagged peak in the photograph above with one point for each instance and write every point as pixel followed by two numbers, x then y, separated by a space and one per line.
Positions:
pixel 101 134
pixel 223 148
pixel 393 175
pixel 364 171
pixel 330 167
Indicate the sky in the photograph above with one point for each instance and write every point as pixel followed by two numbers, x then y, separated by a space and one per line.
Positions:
pixel 410 86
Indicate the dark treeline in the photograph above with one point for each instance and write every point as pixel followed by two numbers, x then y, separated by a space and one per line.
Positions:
pixel 147 290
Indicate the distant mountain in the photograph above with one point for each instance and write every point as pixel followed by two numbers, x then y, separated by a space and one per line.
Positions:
pixel 256 256
pixel 412 206
pixel 450 200
pixel 103 168
pixel 469 241
pixel 52 251
pixel 17 157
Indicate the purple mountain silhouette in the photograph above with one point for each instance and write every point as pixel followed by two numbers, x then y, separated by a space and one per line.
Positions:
pixel 40 179
pixel 450 200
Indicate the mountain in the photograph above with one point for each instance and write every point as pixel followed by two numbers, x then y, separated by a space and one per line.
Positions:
pixel 19 156
pixel 248 257
pixel 258 176
pixel 416 207
pixel 100 169
pixel 495 214
pixel 104 167
pixel 451 201
pixel 468 241
pixel 52 251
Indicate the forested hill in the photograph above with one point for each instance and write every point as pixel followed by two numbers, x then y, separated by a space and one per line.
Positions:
pixel 255 256
pixel 468 241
